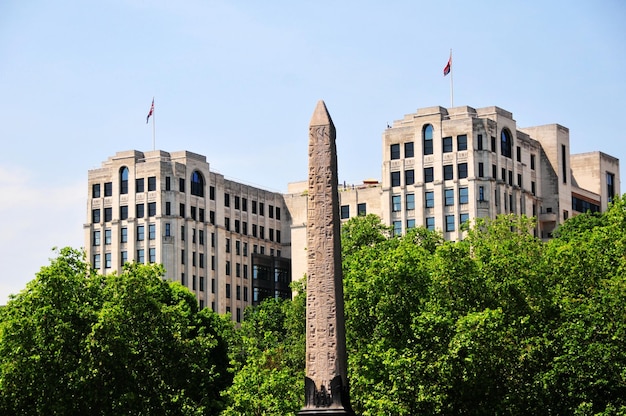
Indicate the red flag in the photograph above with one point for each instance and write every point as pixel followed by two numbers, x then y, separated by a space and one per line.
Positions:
pixel 150 112
pixel 448 66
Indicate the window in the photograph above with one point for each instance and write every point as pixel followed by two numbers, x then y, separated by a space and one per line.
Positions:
pixel 532 162
pixel 345 212
pixel 201 237
pixel 463 218
pixel 511 178
pixel 201 283
pixel 151 209
pixel 494 171
pixel 533 188
pixel 107 260
pixel 139 210
pixel 168 208
pixel 395 151
pixel 254 207
pixel 96 238
pixel 201 211
pixel 168 229
pixel 519 180
pixel 448 172
pixel 430 223
pixel 95 190
pixel 270 209
pixel 212 193
pixel 429 199
pixel 479 142
pixel 361 209
pixel 610 186
pixel 227 200
pixel 410 224
pixel 428 175
pixel 395 178
pixel 183 280
pixel 227 223
pixel 503 172
pixel 506 143
pixel 182 256
pixel 152 183
pixel 481 169
pixel 152 231
pixel 409 177
pixel 95 215
pixel 463 195
pixel 140 256
pixel 227 245
pixel 123 235
pixel 493 144
pixel 238 292
pixel 245 294
pixel 408 149
pixel 462 170
pixel 278 239
pixel 254 230
pixel 449 223
pixel 447 144
pixel 124 180
pixel 427 134
pixel 194 282
pixel 181 210
pixel 396 204
pixel 262 232
pixel 518 154
pixel 410 202
pixel 227 267
pixel 123 257
pixel 140 233
pixel 168 183
pixel 449 197
pixel 244 206
pixel 108 214
pixel 261 208
pixel 181 184
pixel 96 261
pixel 123 212
pixel 564 163
pixel 108 189
pixel 197 184
pixel 193 212
pixel 182 232
pixel 152 255
pixel 481 193
pixel 107 237
pixel 397 228
pixel 139 185
pixel 461 142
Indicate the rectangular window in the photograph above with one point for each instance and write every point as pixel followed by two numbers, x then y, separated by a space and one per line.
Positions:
pixel 462 170
pixel 262 232
pixel 96 238
pixel 227 245
pixel 152 255
pixel 410 224
pixel 108 214
pixel 254 207
pixel 463 195
pixel 238 292
pixel 152 183
pixel 108 189
pixel 107 237
pixel 494 171
pixel 428 175
pixel 96 261
pixel 361 209
pixel 168 208
pixel 447 144
pixel 449 223
pixel 261 208
pixel 107 260
pixel 429 199
pixel 227 200
pixel 564 163
pixel 345 212
pixel 139 210
pixel 193 212
pixel 182 256
pixel 481 193
pixel 408 149
pixel 395 151
pixel 610 186
pixel 201 215
pixel 244 204
pixel 278 239
pixel 141 256
pixel 123 212
pixel 479 142
pixel 201 237
pixel 463 218
pixel 254 230
pixel 139 185
pixel 140 233
pixel 503 172
pixel 461 142
pixel 181 210
pixel 168 183
pixel 181 184
pixel 227 223
pixel 95 190
pixel 519 180
pixel 532 162
pixel 168 229
pixel 397 228
pixel 519 154
pixel 395 178
pixel 430 223
pixel 227 268
pixel 244 228
pixel 183 279
pixel 212 217
pixel 152 209
pixel 123 258
pixel 481 169
pixel 493 144
pixel 152 231
pixel 201 283
pixel 396 204
pixel 511 178
pixel 201 260
pixel 194 282
pixel 123 235
pixel 95 216
pixel 270 209
pixel 193 259
pixel 182 232
pixel 410 202
pixel 449 197
pixel 212 193
pixel 448 172
pixel 245 294
pixel 409 177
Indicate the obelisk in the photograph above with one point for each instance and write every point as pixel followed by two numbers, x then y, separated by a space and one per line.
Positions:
pixel 326 382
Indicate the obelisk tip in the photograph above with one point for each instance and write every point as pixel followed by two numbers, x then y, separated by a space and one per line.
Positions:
pixel 320 115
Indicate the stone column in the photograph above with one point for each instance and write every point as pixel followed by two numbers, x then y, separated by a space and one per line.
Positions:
pixel 326 382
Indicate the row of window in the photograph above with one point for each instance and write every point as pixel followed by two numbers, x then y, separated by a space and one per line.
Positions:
pixel 140 258
pixel 429 174
pixel 361 210
pixel 429 223
pixel 429 199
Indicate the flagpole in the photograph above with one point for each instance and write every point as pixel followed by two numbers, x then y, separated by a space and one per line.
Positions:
pixel 451 83
pixel 153 131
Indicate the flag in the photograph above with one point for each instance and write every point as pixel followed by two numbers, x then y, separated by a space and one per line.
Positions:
pixel 448 66
pixel 150 112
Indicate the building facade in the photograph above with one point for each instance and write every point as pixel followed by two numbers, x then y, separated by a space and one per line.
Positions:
pixel 223 240
pixel 442 167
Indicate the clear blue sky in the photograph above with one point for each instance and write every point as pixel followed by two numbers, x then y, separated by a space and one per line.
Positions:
pixel 238 81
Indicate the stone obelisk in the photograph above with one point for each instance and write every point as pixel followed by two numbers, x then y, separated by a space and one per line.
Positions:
pixel 326 382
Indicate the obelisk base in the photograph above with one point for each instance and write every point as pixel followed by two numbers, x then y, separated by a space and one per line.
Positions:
pixel 331 402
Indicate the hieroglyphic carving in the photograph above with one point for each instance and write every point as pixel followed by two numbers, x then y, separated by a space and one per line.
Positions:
pixel 326 376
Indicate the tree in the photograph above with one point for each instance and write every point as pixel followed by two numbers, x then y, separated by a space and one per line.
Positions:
pixel 75 342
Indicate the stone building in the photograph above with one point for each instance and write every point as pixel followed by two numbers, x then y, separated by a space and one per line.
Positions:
pixel 228 242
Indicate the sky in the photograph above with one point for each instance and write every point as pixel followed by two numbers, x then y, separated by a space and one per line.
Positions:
pixel 237 81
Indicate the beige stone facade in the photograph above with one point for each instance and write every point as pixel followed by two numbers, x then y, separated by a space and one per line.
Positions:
pixel 224 240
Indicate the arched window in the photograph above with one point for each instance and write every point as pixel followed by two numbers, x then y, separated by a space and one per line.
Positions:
pixel 197 184
pixel 427 134
pixel 506 143
pixel 124 180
